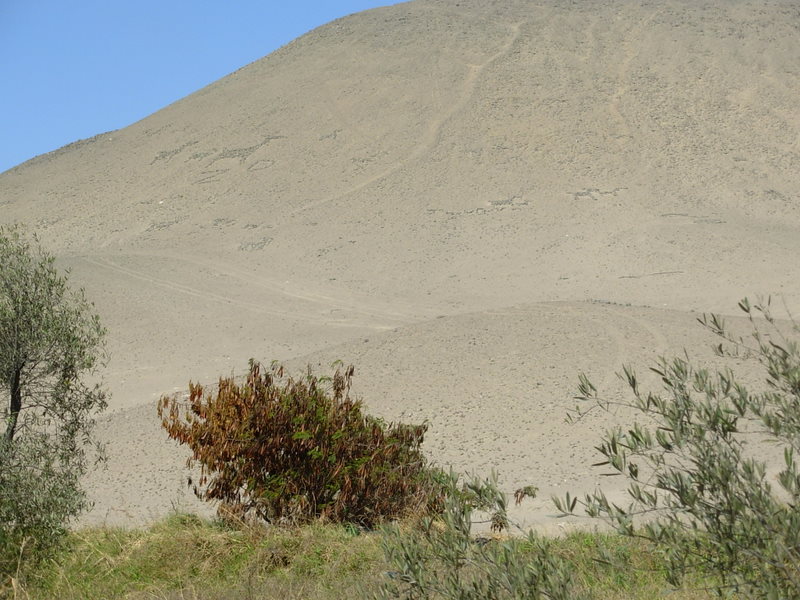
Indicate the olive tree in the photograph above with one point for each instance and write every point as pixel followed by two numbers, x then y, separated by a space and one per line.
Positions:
pixel 698 491
pixel 51 344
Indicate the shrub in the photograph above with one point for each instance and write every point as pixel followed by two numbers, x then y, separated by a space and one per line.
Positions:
pixel 441 558
pixel 289 450
pixel 710 505
pixel 50 340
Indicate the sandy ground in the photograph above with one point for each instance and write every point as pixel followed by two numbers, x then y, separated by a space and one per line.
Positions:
pixel 471 204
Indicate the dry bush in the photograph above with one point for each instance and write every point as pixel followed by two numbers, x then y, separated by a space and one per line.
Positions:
pixel 289 450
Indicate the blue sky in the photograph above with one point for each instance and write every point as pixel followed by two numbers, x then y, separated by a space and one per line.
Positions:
pixel 72 69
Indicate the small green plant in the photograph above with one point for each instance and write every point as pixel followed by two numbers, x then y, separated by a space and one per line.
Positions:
pixel 50 342
pixel 442 558
pixel 289 450
pixel 709 504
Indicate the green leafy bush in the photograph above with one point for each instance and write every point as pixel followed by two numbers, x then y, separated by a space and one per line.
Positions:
pixel 442 558
pixel 289 450
pixel 710 505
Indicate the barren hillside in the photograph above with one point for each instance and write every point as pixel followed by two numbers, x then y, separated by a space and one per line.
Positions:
pixel 471 201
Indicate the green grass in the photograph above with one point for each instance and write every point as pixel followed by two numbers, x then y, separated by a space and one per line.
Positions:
pixel 620 568
pixel 187 558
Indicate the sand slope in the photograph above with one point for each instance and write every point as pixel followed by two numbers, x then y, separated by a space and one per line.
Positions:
pixel 466 187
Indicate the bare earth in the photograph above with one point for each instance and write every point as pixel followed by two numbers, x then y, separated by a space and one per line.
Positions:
pixel 472 204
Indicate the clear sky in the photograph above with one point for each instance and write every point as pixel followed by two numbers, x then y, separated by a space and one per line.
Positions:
pixel 73 69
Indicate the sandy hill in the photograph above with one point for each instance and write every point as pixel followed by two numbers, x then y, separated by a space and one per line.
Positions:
pixel 471 201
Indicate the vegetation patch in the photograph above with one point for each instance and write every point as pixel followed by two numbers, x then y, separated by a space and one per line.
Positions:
pixel 188 558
